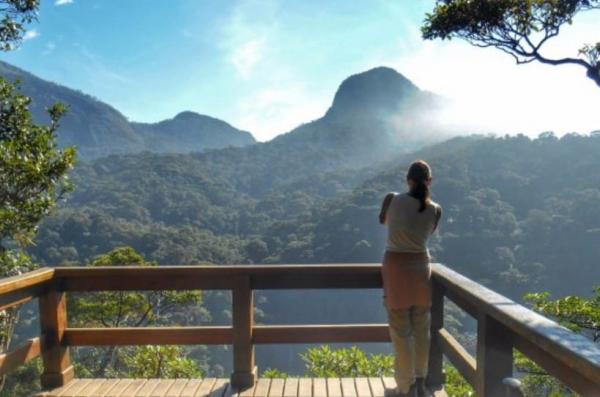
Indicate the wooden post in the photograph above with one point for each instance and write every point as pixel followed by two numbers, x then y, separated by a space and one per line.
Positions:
pixel 53 320
pixel 244 370
pixel 435 374
pixel 494 357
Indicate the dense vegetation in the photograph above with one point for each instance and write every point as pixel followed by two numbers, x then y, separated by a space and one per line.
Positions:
pixel 509 203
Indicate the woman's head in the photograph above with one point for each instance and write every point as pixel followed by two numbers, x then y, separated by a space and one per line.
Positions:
pixel 418 178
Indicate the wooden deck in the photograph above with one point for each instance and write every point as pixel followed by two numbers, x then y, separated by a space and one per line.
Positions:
pixel 211 387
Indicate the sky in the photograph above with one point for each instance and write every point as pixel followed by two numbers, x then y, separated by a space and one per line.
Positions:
pixel 267 66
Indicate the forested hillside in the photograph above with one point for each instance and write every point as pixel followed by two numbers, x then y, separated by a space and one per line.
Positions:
pixel 518 212
pixel 520 215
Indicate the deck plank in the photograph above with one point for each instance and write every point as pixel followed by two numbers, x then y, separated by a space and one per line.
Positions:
pixel 213 387
pixel 291 387
pixel 389 382
pixel 305 387
pixel 276 389
pixel 262 387
pixel 132 388
pixel 177 388
pixel 92 387
pixel 319 387
pixel 348 388
pixel 74 391
pixel 334 388
pixel 106 387
pixel 224 389
pixel 147 388
pixel 190 388
pixel 377 388
pixel 362 387
pixel 119 387
pixel 162 387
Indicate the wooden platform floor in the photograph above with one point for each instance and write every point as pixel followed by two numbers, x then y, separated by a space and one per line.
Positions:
pixel 211 387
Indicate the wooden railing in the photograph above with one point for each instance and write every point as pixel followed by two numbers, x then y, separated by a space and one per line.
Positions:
pixel 503 325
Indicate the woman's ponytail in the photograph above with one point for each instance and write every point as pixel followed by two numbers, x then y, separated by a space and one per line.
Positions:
pixel 419 173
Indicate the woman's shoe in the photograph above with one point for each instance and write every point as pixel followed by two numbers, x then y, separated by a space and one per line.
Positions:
pixel 412 392
pixel 421 388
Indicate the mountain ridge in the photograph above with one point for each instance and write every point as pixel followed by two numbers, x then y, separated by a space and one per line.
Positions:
pixel 97 129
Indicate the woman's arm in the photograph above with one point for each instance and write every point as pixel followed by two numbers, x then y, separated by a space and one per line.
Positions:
pixel 384 207
pixel 438 215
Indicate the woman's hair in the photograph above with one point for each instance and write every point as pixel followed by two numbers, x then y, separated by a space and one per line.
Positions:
pixel 419 172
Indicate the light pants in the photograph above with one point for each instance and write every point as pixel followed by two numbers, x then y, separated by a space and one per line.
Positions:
pixel 409 331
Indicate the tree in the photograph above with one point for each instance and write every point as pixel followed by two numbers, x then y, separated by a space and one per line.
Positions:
pixel 15 15
pixel 579 314
pixel 323 362
pixel 32 168
pixel 132 309
pixel 517 27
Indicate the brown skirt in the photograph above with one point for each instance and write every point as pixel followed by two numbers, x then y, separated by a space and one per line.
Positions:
pixel 406 280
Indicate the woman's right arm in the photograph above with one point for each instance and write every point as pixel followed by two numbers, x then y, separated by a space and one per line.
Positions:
pixel 384 207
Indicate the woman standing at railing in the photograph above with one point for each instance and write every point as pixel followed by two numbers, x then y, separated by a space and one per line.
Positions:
pixel 411 218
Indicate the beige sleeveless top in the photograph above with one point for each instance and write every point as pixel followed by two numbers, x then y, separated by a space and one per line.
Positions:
pixel 409 229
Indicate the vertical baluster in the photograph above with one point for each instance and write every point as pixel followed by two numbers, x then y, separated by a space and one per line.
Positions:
pixel 494 357
pixel 53 322
pixel 244 374
pixel 435 376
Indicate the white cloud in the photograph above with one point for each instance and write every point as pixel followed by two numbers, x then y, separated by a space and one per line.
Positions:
pixel 247 56
pixel 278 108
pixel 62 2
pixel 490 93
pixel 272 97
pixel 30 34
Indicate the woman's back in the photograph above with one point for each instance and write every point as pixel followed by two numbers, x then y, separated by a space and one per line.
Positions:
pixel 409 229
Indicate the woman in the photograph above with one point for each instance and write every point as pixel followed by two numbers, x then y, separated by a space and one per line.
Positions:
pixel 411 218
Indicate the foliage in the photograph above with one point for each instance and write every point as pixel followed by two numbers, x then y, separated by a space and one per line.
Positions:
pixel 160 362
pixel 536 382
pixel 23 381
pixel 456 385
pixel 273 373
pixel 519 28
pixel 579 314
pixel 352 362
pixel 32 177
pixel 32 169
pixel 132 309
pixel 324 362
pixel 16 14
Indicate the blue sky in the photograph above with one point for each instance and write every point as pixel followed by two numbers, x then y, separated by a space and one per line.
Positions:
pixel 269 65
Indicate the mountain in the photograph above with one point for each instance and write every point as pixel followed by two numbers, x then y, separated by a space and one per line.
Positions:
pixel 374 115
pixel 191 132
pixel 98 130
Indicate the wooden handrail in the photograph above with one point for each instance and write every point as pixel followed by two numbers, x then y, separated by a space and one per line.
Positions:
pixel 25 287
pixel 570 357
pixel 20 355
pixel 502 323
pixel 14 291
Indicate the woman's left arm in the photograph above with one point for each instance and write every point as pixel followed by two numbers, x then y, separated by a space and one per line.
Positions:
pixel 384 207
pixel 438 215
